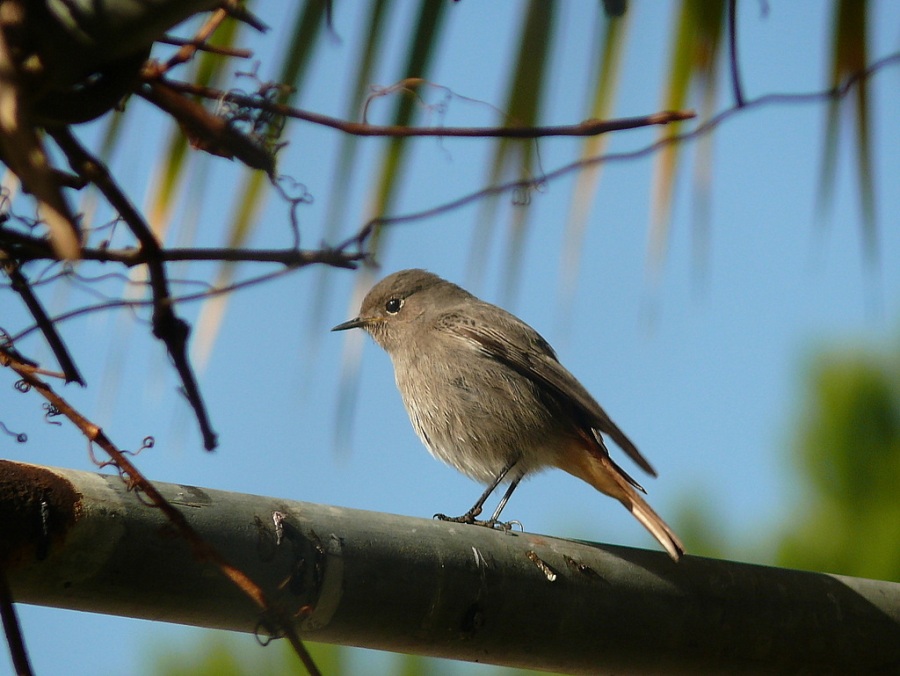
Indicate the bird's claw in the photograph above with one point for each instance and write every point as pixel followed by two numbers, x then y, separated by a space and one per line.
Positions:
pixel 468 517
pixel 493 524
pixel 505 526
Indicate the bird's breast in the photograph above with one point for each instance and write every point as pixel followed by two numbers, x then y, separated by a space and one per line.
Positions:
pixel 476 414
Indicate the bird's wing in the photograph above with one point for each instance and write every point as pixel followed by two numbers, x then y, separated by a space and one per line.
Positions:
pixel 538 362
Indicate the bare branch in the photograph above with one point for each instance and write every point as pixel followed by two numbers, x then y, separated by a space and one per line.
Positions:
pixel 736 85
pixel 12 629
pixel 212 133
pixel 236 10
pixel 21 286
pixel 585 128
pixel 188 50
pixel 234 52
pixel 132 304
pixel 707 127
pixel 202 550
pixel 30 248
pixel 169 328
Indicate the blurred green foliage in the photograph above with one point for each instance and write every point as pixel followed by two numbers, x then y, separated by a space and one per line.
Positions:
pixel 220 654
pixel 848 453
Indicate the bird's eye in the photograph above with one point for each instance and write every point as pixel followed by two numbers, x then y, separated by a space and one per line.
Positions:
pixel 393 306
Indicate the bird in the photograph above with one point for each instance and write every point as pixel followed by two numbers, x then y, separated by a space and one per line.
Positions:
pixel 487 395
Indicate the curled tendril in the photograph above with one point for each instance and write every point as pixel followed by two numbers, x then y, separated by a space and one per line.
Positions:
pixel 521 194
pixel 521 197
pixel 257 121
pixel 265 633
pixel 147 442
pixel 294 191
pixel 51 412
pixel 21 437
pixel 99 463
pixel 22 385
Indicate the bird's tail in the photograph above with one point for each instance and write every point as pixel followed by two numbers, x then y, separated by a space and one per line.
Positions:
pixel 654 523
pixel 604 475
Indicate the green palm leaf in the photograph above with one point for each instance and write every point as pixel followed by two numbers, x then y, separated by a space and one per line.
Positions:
pixel 695 54
pixel 850 56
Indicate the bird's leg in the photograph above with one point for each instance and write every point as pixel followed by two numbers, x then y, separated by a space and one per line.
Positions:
pixel 469 517
pixel 493 521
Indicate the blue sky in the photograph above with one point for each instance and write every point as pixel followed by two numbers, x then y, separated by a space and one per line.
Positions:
pixel 702 368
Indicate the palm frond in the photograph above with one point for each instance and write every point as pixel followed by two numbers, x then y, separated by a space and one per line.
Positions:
pixel 850 56
pixel 695 55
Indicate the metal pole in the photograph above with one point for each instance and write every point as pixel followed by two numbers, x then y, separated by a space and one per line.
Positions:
pixel 79 540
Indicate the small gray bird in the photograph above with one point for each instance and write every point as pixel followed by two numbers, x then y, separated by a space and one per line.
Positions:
pixel 487 395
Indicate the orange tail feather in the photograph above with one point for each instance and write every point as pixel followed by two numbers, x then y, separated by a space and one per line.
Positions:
pixel 604 475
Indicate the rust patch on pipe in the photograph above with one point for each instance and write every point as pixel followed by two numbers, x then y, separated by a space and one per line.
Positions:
pixel 37 508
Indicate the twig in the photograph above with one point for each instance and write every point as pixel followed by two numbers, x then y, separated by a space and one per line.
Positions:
pixel 234 52
pixel 707 127
pixel 187 51
pixel 11 628
pixel 202 549
pixel 341 256
pixel 37 370
pixel 585 128
pixel 290 258
pixel 237 11
pixel 21 286
pixel 28 247
pixel 169 328
pixel 132 304
pixel 206 131
pixel 732 55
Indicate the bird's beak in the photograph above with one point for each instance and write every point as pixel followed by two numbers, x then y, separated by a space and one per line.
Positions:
pixel 358 323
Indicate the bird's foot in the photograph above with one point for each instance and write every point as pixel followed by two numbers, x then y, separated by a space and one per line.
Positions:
pixel 505 526
pixel 469 517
